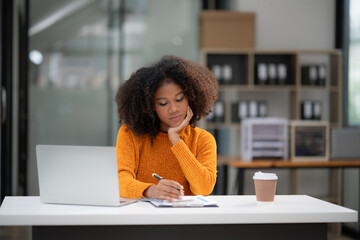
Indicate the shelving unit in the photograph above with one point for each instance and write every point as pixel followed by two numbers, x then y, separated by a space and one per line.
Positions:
pixel 244 83
pixel 283 101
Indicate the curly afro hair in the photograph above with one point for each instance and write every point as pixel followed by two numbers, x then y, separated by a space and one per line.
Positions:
pixel 135 97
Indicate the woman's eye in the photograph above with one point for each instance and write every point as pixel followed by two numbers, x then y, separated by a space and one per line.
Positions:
pixel 180 99
pixel 162 104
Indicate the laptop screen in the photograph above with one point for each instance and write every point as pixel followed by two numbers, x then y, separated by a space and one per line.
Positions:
pixel 81 175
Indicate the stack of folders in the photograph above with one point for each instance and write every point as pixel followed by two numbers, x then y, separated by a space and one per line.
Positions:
pixel 187 201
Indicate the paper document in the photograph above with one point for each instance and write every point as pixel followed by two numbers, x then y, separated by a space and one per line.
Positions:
pixel 187 201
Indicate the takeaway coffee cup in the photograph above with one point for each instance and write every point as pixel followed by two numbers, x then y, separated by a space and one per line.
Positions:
pixel 265 187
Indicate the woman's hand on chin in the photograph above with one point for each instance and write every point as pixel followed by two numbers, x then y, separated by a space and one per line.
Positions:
pixel 173 132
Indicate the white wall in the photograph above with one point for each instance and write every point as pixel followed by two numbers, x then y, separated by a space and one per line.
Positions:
pixel 286 24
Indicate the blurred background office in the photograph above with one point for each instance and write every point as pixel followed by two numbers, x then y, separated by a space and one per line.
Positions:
pixel 62 62
pixel 68 59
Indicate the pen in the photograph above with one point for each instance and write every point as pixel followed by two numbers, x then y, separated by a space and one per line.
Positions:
pixel 156 176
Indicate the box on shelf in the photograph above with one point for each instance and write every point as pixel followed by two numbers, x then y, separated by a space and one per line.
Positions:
pixel 264 138
pixel 309 140
pixel 227 29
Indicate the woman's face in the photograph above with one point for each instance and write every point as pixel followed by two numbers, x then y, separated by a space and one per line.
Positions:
pixel 171 105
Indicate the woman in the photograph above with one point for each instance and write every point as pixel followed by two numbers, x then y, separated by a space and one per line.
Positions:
pixel 160 106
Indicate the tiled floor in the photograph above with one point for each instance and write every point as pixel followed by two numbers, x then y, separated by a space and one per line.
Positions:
pixel 24 233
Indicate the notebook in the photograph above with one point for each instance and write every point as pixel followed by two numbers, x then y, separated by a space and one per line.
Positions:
pixel 187 201
pixel 80 175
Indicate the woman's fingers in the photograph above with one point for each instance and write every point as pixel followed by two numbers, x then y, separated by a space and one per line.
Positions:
pixel 187 119
pixel 189 115
pixel 191 112
pixel 169 190
pixel 170 187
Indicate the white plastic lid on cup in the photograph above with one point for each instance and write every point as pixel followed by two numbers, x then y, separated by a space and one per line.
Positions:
pixel 265 176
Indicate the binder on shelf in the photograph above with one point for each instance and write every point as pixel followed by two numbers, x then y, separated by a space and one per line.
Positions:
pixel 311 110
pixel 227 74
pixel 211 116
pixel 223 73
pixel 306 110
pixel 263 109
pixel 322 75
pixel 282 73
pixel 216 70
pixel 262 74
pixel 245 109
pixel 317 110
pixel 219 111
pixel 305 75
pixel 272 73
pixel 314 74
pixel 228 68
pixel 253 109
pixel 239 111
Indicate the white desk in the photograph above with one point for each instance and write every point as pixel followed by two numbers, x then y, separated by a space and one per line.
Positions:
pixel 291 217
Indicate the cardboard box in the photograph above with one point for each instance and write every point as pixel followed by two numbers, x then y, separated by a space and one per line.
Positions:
pixel 226 29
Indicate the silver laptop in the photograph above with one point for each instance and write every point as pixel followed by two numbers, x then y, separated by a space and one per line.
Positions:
pixel 345 143
pixel 78 175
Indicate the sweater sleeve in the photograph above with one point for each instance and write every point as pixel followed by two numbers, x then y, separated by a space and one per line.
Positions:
pixel 127 161
pixel 199 170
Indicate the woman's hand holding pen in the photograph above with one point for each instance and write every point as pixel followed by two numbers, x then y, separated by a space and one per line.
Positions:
pixel 173 132
pixel 165 189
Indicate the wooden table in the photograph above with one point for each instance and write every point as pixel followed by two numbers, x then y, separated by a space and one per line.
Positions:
pixel 334 165
pixel 236 162
pixel 265 163
pixel 290 217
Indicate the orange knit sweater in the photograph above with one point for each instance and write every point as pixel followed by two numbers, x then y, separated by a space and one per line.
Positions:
pixel 191 162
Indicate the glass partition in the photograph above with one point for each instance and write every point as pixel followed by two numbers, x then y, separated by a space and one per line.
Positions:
pixel 81 50
pixel 354 64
